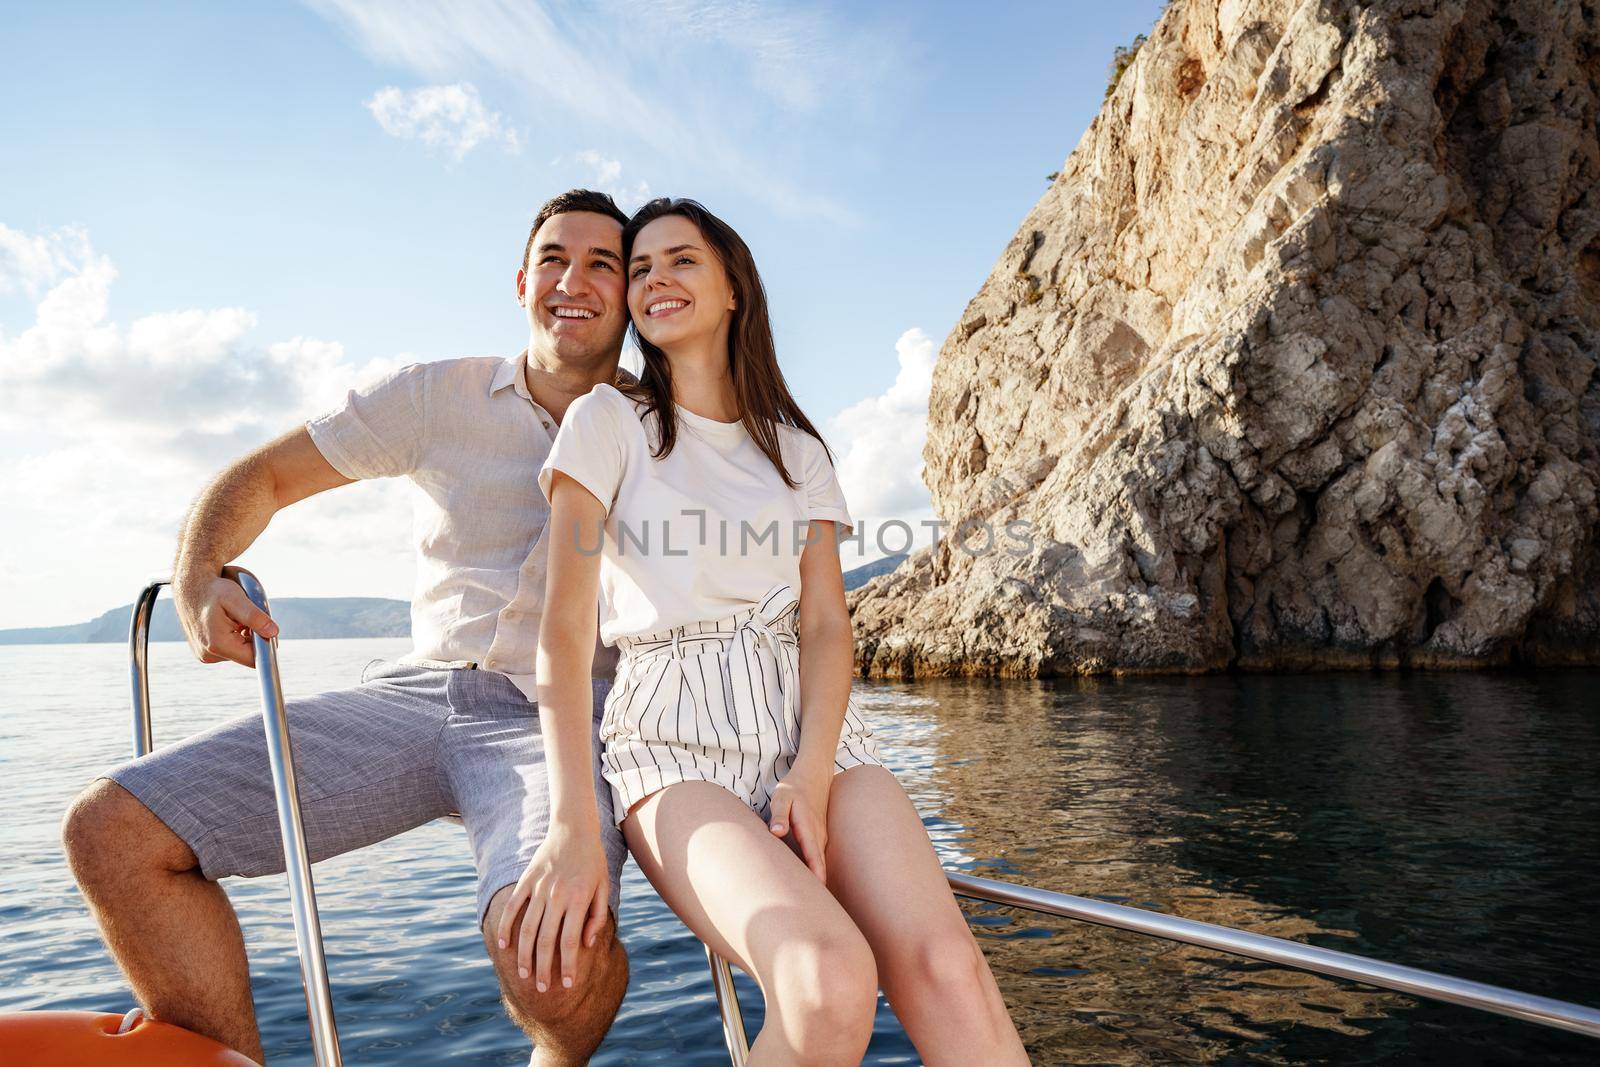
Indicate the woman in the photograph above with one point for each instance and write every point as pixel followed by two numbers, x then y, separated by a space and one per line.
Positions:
pixel 746 783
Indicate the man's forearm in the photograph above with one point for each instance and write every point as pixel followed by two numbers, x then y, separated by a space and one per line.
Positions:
pixel 218 620
pixel 225 520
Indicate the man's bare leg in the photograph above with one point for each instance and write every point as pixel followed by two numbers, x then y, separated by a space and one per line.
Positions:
pixel 566 1025
pixel 173 932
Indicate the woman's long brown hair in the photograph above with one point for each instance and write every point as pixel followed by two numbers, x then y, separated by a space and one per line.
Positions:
pixel 762 394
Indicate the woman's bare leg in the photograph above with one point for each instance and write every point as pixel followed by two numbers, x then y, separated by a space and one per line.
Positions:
pixel 746 895
pixel 883 869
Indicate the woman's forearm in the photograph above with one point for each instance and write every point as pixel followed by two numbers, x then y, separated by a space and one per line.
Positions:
pixel 827 663
pixel 566 710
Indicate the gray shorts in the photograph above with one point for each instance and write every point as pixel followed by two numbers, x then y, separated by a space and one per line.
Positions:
pixel 406 746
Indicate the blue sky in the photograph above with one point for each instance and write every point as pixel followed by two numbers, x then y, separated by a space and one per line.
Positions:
pixel 217 217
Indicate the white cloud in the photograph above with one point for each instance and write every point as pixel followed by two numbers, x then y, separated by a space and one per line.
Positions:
pixel 29 263
pixel 878 443
pixel 191 368
pixel 605 175
pixel 795 57
pixel 450 117
pixel 111 430
pixel 606 171
pixel 684 76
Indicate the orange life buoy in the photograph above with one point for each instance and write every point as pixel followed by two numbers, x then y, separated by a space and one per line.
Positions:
pixel 101 1039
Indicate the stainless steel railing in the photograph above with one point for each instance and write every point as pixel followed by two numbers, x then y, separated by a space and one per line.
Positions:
pixel 1525 1006
pixel 1415 981
pixel 1543 1011
pixel 728 1005
pixel 302 894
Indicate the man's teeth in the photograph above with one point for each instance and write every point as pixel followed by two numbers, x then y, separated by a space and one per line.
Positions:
pixel 668 305
pixel 573 313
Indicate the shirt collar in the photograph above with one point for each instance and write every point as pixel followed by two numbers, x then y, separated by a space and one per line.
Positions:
pixel 513 372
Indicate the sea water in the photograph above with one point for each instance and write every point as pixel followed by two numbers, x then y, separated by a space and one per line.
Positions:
pixel 1446 821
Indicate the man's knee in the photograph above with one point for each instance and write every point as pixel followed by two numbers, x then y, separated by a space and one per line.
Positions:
pixel 108 832
pixel 584 1011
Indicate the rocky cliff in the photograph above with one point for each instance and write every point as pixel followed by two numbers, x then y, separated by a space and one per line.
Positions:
pixel 1294 365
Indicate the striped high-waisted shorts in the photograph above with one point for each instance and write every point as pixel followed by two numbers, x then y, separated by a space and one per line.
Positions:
pixel 715 701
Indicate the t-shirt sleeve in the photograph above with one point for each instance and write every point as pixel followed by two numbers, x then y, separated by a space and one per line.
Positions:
pixel 378 431
pixel 824 497
pixel 589 447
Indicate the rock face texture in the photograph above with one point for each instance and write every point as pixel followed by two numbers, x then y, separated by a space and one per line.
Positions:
pixel 1294 365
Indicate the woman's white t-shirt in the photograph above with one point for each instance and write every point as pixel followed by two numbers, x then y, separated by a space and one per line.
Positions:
pixel 700 534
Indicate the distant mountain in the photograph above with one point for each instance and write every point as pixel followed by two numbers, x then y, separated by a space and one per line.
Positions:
pixel 346 616
pixel 867 571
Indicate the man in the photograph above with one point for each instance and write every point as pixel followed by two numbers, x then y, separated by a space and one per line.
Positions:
pixel 451 727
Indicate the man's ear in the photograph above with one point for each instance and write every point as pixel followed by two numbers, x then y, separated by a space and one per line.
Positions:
pixel 522 287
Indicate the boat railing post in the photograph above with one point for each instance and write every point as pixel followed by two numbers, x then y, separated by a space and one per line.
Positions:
pixel 297 863
pixel 138 657
pixel 728 1004
pixel 1545 1011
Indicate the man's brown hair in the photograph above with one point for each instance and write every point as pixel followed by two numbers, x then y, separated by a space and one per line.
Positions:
pixel 573 200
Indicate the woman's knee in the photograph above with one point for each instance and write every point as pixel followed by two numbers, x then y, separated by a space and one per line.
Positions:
pixel 942 965
pixel 826 986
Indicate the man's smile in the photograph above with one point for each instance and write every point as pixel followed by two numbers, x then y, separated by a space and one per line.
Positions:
pixel 567 311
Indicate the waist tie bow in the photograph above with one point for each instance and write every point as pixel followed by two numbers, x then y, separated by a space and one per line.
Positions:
pixel 750 680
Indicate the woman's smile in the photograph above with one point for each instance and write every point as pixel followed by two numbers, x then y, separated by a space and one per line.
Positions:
pixel 662 308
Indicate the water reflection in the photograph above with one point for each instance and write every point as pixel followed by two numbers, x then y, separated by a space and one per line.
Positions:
pixel 1442 821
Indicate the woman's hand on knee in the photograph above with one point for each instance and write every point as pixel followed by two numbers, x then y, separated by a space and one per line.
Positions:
pixel 566 888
